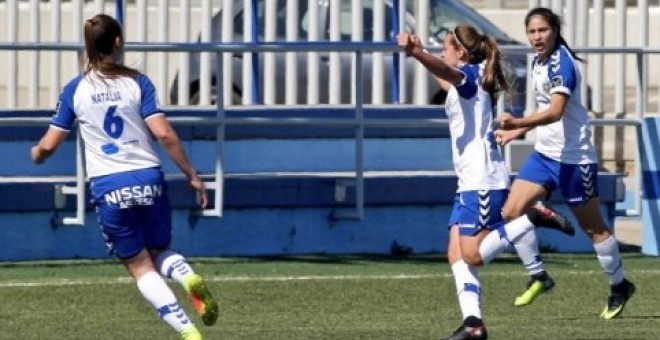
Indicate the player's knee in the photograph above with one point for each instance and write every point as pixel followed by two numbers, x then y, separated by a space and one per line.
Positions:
pixel 511 213
pixel 473 258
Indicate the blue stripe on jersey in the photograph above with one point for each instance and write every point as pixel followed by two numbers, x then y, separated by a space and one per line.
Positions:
pixel 64 114
pixel 149 100
pixel 561 70
pixel 469 86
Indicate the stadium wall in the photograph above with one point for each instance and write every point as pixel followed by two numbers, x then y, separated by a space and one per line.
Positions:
pixel 283 194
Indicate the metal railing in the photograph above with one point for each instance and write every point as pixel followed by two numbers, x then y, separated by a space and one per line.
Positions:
pixel 358 122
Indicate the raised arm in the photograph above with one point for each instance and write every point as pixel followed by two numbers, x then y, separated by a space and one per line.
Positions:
pixel 413 47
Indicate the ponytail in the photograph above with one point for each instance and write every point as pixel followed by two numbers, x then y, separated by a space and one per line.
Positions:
pixel 493 80
pixel 481 48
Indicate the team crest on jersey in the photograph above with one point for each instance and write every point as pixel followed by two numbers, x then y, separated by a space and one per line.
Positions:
pixel 557 81
pixel 546 86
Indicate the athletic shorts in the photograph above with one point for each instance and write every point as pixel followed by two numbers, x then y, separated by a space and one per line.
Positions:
pixel 133 211
pixel 476 210
pixel 576 182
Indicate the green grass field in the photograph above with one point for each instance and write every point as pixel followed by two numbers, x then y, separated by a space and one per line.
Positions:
pixel 327 298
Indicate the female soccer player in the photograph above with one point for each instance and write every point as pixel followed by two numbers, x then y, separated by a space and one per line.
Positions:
pixel 118 111
pixel 470 72
pixel 563 155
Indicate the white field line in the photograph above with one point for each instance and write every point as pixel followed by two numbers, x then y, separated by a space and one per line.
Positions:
pixel 127 280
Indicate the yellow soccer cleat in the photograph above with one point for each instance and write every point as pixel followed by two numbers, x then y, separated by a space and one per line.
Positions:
pixel 534 288
pixel 191 333
pixel 620 295
pixel 201 298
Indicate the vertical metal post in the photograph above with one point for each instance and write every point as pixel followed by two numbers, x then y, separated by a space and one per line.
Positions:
pixel 79 188
pixel 396 56
pixel 620 85
pixel 56 36
pixel 99 6
pixel 313 57
pixel 205 57
pixel 596 64
pixel 119 12
pixel 34 69
pixel 582 40
pixel 183 85
pixel 227 36
pixel 247 56
pixel 142 24
pixel 218 184
pixel 163 37
pixel 12 60
pixel 421 90
pixel 359 139
pixel 292 20
pixel 254 19
pixel 357 34
pixel 378 26
pixel 334 78
pixel 270 34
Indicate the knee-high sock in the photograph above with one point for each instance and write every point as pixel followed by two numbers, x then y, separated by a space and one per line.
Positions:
pixel 468 289
pixel 610 260
pixel 155 290
pixel 173 265
pixel 521 234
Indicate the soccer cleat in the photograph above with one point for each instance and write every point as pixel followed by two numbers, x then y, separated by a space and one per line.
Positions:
pixel 542 216
pixel 535 287
pixel 477 330
pixel 618 298
pixel 191 333
pixel 201 298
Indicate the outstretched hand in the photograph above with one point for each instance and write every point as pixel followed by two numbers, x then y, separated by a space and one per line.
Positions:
pixel 408 42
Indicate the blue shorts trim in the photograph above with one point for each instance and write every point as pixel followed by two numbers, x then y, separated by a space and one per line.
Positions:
pixel 576 182
pixel 477 210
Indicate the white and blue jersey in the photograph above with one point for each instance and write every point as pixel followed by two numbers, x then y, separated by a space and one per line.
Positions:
pixel 567 140
pixel 483 179
pixel 126 182
pixel 478 161
pixel 563 156
pixel 111 114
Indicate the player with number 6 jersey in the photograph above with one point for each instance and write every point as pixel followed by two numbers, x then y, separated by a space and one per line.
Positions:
pixel 117 111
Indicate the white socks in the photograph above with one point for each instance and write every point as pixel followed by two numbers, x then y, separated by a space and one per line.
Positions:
pixel 468 289
pixel 610 260
pixel 155 290
pixel 173 265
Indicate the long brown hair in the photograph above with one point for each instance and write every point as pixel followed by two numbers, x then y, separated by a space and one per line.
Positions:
pixel 554 21
pixel 101 33
pixel 482 47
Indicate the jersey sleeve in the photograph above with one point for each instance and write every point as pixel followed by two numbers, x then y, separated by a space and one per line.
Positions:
pixel 65 115
pixel 468 87
pixel 148 99
pixel 562 73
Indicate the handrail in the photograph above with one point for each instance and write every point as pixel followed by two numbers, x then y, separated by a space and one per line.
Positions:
pixel 304 46
pixel 359 123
